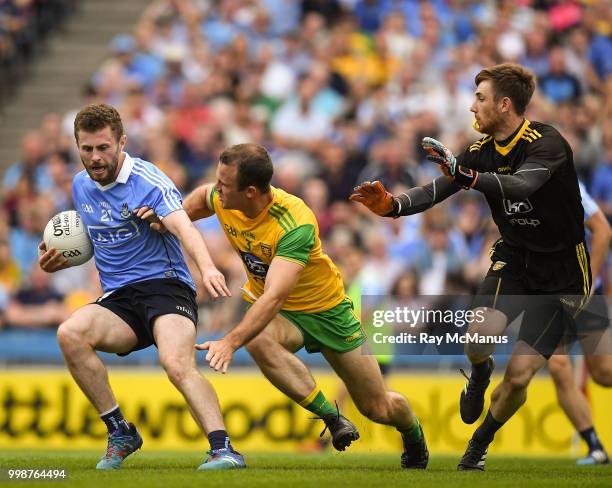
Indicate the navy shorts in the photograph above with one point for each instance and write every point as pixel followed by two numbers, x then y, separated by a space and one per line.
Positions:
pixel 138 304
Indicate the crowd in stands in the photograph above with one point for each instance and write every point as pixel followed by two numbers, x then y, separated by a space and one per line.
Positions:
pixel 24 26
pixel 339 91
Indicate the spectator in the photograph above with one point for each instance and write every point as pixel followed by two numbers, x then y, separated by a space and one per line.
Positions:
pixel 577 60
pixel 140 117
pixel 31 165
pixel 392 167
pixel 558 84
pixel 32 217
pixel 536 54
pixel 336 172
pixel 10 274
pixel 298 124
pixel 442 255
pixel 37 305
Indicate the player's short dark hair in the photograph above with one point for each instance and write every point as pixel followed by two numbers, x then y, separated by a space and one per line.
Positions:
pixel 510 80
pixel 97 116
pixel 254 165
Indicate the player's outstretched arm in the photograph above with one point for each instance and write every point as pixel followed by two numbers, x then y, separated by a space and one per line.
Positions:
pixel 197 206
pixel 374 196
pixel 192 241
pixel 197 203
pixel 281 279
pixel 541 162
pixel 51 260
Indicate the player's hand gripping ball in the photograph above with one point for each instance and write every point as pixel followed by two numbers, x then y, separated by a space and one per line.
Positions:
pixel 66 232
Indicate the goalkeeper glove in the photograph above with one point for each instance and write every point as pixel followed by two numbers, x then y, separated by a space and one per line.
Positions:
pixel 374 196
pixel 440 154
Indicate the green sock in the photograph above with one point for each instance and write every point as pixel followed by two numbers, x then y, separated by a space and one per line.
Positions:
pixel 318 404
pixel 412 434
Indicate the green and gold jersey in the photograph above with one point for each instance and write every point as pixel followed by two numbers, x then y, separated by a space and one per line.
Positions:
pixel 286 229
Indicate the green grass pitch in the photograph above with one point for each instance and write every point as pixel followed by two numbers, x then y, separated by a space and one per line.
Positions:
pixel 295 470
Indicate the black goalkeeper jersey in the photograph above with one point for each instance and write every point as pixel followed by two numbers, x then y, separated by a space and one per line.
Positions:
pixel 550 219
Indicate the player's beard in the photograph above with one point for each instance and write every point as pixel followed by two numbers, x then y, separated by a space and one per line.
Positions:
pixel 108 176
pixel 484 127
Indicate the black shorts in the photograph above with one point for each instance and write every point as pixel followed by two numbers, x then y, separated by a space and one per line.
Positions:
pixel 552 289
pixel 138 304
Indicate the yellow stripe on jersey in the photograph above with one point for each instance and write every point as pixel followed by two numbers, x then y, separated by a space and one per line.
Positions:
pixel 478 144
pixel 504 150
pixel 533 132
pixel 531 135
pixel 256 241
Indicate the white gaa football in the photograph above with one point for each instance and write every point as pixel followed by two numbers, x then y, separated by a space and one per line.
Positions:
pixel 66 232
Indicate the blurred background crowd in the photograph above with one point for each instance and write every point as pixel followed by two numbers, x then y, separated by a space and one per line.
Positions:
pixel 24 27
pixel 339 91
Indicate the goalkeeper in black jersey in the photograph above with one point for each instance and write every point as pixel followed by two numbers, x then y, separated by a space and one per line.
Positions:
pixel 539 266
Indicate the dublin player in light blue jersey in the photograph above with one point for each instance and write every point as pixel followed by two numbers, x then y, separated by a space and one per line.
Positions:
pixel 149 294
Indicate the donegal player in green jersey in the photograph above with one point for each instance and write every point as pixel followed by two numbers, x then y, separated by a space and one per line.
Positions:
pixel 297 300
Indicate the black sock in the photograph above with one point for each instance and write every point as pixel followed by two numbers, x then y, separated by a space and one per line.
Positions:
pixel 590 437
pixel 481 370
pixel 486 432
pixel 219 440
pixel 114 420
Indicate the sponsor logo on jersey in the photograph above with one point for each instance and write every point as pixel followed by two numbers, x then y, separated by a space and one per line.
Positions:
pixel 266 250
pixel 504 169
pixel 125 211
pixel 85 207
pixel 113 236
pixel 254 265
pixel 522 221
pixel 512 208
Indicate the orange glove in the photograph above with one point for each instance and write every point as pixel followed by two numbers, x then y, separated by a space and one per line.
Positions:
pixel 374 196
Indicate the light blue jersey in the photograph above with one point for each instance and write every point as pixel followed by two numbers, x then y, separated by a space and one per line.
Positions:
pixel 590 208
pixel 126 249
